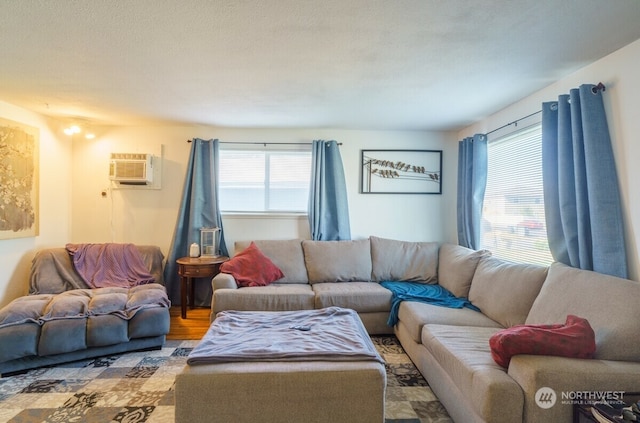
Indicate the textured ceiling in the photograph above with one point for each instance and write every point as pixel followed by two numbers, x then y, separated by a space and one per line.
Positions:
pixel 361 64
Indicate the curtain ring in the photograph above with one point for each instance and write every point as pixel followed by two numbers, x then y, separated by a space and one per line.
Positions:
pixel 598 87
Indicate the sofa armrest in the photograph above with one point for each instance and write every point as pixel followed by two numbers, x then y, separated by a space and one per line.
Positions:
pixel 575 381
pixel 223 281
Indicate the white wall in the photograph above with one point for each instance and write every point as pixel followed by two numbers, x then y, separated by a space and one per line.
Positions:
pixel 149 216
pixel 73 175
pixel 619 73
pixel 55 200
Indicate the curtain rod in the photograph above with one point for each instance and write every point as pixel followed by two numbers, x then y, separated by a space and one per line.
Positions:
pixel 515 122
pixel 265 143
pixel 595 90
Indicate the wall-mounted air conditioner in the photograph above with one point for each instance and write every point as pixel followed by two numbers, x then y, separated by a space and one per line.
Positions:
pixel 131 168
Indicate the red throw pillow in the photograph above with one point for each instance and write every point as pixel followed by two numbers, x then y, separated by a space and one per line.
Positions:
pixel 574 339
pixel 251 267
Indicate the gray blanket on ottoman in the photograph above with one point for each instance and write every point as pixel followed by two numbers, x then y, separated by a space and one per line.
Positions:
pixel 328 334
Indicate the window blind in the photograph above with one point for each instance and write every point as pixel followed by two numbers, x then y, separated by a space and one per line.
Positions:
pixel 264 181
pixel 513 221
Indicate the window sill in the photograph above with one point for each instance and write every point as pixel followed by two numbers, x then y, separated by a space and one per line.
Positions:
pixel 264 215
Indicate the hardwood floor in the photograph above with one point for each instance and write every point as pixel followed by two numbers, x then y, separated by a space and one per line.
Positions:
pixel 193 327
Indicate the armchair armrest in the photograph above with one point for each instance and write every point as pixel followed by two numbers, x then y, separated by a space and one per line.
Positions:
pixel 223 281
pixel 573 380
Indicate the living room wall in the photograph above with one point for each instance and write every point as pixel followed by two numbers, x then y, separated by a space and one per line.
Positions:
pixel 73 174
pixel 55 203
pixel 619 73
pixel 149 215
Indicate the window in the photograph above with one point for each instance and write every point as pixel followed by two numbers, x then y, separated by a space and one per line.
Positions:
pixel 513 221
pixel 264 181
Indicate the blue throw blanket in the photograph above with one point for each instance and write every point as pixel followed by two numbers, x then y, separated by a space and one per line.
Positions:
pixel 426 293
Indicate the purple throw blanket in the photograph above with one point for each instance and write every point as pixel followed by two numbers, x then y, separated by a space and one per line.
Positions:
pixel 327 334
pixel 109 265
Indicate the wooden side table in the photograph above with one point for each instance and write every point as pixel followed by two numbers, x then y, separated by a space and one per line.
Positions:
pixel 190 268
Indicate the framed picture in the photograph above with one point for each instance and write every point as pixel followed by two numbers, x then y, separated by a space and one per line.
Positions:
pixel 18 180
pixel 401 172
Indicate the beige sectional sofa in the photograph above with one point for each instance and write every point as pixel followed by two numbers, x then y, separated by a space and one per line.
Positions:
pixel 313 270
pixel 451 346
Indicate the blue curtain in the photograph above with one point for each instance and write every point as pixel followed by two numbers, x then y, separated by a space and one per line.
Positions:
pixel 472 182
pixel 328 205
pixel 581 195
pixel 198 208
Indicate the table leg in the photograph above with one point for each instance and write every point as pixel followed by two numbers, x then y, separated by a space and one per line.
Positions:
pixel 192 293
pixel 183 296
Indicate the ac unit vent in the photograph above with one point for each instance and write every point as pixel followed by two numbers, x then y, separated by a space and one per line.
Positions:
pixel 131 168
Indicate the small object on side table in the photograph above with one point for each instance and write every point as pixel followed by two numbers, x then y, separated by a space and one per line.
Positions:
pixel 190 268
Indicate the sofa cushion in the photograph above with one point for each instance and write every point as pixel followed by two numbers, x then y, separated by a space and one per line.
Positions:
pixel 144 297
pixel 574 338
pixel 284 253
pixel 28 308
pixel 62 336
pixel 72 304
pixel 463 353
pixel 415 315
pixel 19 341
pixel 149 322
pixel 106 329
pixel 505 291
pixel 52 270
pixel 251 267
pixel 394 260
pixel 337 261
pixel 274 297
pixel 607 302
pixel 363 297
pixel 456 266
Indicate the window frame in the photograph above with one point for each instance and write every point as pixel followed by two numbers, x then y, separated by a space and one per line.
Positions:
pixel 268 149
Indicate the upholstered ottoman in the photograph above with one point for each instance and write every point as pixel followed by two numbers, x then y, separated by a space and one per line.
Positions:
pixel 302 388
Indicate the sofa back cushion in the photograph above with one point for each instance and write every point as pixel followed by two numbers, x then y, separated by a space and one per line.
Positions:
pixel 505 291
pixel 53 272
pixel 456 266
pixel 286 254
pixel 607 302
pixel 394 260
pixel 337 261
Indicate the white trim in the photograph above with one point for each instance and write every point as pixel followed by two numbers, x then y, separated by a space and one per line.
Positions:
pixel 264 215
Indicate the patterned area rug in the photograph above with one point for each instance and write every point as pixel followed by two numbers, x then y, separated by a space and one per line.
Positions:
pixel 138 387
